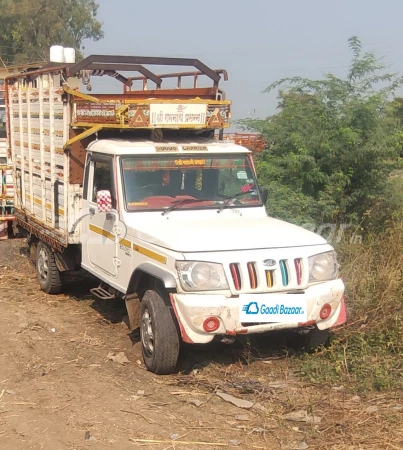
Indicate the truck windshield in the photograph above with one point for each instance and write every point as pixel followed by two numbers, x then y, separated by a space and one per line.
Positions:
pixel 156 183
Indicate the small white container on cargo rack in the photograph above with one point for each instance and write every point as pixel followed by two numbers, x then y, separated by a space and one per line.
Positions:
pixel 69 55
pixel 57 54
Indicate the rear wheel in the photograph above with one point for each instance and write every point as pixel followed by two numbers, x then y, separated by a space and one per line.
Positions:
pixel 46 269
pixel 159 335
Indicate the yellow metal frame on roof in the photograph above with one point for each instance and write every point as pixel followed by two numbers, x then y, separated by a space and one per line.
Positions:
pixel 122 110
pixel 91 130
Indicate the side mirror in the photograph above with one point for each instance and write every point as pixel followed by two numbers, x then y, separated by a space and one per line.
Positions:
pixel 264 193
pixel 104 201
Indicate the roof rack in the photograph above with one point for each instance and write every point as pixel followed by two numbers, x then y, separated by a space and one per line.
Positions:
pixel 199 107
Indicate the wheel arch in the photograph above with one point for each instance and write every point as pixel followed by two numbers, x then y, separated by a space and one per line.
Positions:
pixel 145 273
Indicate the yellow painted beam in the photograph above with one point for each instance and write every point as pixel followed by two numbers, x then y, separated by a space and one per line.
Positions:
pixel 79 94
pixel 92 129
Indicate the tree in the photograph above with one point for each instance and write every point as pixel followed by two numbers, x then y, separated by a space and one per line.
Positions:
pixel 332 144
pixel 29 28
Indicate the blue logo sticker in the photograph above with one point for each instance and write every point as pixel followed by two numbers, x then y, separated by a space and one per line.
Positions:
pixel 251 308
pixel 275 308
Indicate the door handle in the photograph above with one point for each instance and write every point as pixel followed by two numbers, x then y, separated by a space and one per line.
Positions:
pixel 92 211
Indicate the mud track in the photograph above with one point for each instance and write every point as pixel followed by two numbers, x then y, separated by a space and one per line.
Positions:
pixel 60 389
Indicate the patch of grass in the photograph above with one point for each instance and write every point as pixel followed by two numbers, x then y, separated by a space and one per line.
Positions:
pixel 367 353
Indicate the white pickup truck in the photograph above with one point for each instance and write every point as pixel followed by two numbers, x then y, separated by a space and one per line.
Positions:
pixel 134 189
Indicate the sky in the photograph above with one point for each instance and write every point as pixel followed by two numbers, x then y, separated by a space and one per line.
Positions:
pixel 256 41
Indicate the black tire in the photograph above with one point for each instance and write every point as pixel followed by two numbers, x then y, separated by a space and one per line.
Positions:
pixel 46 269
pixel 158 332
pixel 310 340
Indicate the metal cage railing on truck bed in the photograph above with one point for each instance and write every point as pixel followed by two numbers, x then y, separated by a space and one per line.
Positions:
pixel 150 107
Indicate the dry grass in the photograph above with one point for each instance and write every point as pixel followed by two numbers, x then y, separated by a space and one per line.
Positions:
pixel 344 419
pixel 367 353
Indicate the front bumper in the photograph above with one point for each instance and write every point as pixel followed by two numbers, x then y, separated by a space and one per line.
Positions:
pixel 193 309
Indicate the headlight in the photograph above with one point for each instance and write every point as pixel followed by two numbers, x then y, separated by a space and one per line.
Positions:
pixel 201 276
pixel 323 267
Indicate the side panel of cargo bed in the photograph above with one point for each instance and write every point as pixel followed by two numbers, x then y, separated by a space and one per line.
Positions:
pixel 6 191
pixel 45 203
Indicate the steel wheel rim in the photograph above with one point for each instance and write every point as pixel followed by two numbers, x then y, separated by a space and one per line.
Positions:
pixel 147 334
pixel 43 264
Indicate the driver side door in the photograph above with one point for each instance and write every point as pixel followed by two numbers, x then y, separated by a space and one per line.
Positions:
pixel 100 250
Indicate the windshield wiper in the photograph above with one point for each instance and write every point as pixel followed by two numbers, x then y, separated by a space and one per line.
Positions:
pixel 232 197
pixel 177 203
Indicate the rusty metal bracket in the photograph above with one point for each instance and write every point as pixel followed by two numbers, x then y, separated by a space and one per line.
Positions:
pixel 133 310
pixel 120 112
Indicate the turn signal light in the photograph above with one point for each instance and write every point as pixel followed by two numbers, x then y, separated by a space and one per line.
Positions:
pixel 325 311
pixel 211 324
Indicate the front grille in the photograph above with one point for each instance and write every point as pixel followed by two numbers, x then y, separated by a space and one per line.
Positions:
pixel 253 276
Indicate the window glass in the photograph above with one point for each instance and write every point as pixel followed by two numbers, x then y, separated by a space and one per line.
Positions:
pixel 103 177
pixel 159 182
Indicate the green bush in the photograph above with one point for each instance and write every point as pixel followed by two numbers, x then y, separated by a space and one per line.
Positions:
pixel 334 155
pixel 332 144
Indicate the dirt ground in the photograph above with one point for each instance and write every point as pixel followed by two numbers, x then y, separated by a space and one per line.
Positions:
pixel 60 387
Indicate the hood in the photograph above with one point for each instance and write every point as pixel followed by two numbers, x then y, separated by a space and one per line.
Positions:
pixel 223 234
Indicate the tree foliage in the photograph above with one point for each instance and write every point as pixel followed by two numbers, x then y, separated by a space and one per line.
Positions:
pixel 333 142
pixel 28 28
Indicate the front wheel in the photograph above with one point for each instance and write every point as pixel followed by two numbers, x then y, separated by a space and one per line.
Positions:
pixel 159 335
pixel 46 269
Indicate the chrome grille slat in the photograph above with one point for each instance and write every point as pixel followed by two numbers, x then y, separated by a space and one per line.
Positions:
pixel 253 275
pixel 284 272
pixel 260 271
pixel 236 276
